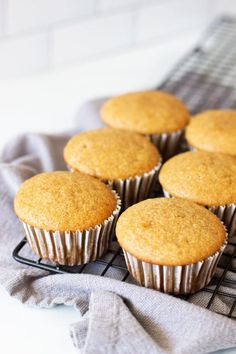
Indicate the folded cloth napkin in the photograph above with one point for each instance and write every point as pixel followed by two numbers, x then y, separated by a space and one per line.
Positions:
pixel 116 317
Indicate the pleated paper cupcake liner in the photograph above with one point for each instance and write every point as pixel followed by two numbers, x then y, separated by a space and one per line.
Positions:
pixel 178 280
pixel 167 143
pixel 134 189
pixel 226 213
pixel 73 247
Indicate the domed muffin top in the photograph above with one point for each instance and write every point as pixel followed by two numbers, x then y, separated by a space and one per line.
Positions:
pixel 111 154
pixel 213 131
pixel 147 112
pixel 64 201
pixel 170 232
pixel 203 177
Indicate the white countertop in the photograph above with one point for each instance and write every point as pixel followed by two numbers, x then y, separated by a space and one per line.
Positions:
pixel 48 103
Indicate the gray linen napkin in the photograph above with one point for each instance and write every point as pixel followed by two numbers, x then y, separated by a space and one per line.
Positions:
pixel 117 317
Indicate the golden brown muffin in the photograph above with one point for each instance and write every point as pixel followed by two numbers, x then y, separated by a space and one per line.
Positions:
pixel 213 131
pixel 148 112
pixel 170 232
pixel 111 154
pixel 64 201
pixel 203 177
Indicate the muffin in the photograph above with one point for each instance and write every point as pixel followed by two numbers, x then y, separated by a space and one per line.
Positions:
pixel 125 160
pixel 165 250
pixel 68 217
pixel 158 115
pixel 213 131
pixel 206 178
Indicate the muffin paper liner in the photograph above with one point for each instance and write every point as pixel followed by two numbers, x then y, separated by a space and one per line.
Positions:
pixel 134 189
pixel 178 280
pixel 167 143
pixel 226 213
pixel 73 247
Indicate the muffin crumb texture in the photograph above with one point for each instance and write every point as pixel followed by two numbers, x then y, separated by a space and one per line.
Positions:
pixel 111 154
pixel 170 232
pixel 213 131
pixel 64 201
pixel 206 178
pixel 147 112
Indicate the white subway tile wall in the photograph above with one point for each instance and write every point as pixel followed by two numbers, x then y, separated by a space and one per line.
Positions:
pixel 116 4
pixel 29 14
pixel 38 35
pixel 170 17
pixel 24 55
pixel 87 38
pixel 2 17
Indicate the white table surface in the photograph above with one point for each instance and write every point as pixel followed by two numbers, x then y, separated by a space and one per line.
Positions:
pixel 48 103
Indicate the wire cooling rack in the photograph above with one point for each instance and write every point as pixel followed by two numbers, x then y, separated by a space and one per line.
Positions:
pixel 204 79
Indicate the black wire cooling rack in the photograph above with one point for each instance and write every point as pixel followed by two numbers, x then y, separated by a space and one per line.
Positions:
pixel 204 79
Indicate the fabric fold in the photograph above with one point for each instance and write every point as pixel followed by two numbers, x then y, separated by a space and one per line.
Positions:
pixel 117 330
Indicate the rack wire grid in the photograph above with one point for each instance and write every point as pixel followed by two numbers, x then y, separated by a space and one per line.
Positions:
pixel 204 79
